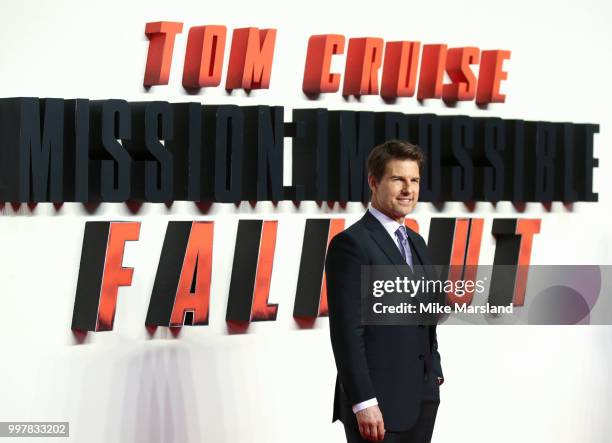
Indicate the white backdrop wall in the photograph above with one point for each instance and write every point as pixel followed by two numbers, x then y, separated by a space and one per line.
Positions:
pixel 275 382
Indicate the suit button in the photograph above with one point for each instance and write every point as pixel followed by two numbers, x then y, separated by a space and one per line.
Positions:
pixel 421 356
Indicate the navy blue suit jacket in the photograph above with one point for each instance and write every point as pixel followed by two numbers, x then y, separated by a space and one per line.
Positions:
pixel 382 361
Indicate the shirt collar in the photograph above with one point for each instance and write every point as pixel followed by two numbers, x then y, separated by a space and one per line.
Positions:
pixel 388 223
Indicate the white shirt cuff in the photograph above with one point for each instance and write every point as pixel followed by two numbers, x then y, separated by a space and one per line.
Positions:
pixel 364 404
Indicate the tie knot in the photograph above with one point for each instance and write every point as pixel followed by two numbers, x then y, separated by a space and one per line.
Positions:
pixel 401 233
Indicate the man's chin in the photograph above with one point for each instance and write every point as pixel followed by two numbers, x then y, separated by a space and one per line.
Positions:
pixel 403 211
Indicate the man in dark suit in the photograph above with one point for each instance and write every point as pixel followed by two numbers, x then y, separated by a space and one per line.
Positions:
pixel 388 375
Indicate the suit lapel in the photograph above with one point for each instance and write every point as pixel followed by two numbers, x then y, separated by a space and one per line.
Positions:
pixel 422 256
pixel 384 241
pixel 416 248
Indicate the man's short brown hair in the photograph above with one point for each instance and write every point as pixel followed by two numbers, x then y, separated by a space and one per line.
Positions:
pixel 393 150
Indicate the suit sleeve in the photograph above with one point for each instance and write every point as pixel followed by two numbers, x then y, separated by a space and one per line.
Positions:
pixel 435 357
pixel 436 360
pixel 343 276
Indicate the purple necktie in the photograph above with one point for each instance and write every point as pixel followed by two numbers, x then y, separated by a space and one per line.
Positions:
pixel 404 247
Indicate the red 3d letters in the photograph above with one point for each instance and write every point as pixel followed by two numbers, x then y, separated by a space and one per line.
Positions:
pixel 250 60
pixel 400 66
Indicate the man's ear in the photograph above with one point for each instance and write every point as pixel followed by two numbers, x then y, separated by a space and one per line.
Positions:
pixel 372 183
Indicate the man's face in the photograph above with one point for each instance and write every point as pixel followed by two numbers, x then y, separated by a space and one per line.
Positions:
pixel 398 191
